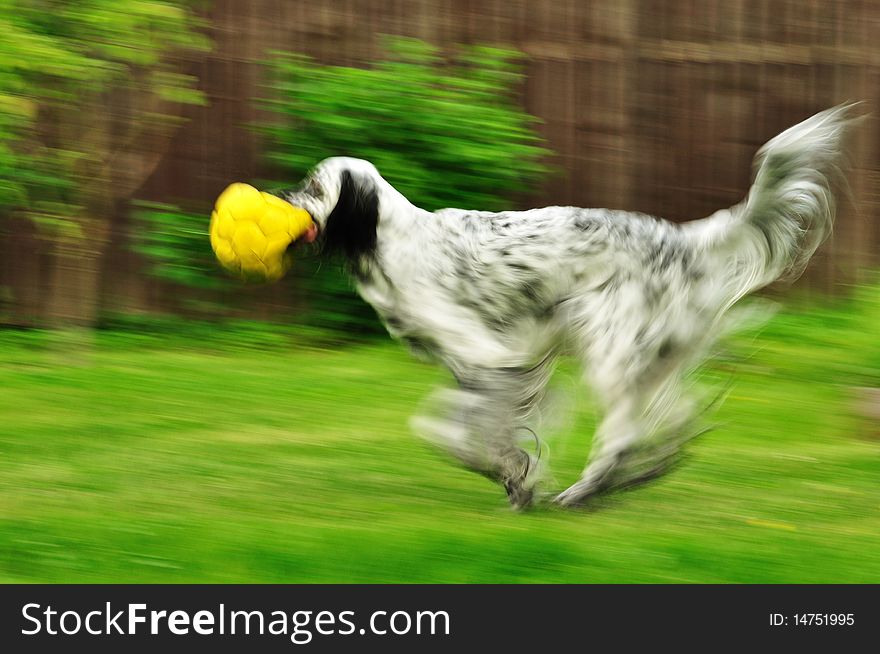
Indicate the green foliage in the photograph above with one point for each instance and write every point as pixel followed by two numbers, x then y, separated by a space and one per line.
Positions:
pixel 445 132
pixel 331 305
pixel 176 246
pixel 60 131
pixel 177 250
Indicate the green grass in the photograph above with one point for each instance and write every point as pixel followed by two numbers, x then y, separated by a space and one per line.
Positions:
pixel 136 458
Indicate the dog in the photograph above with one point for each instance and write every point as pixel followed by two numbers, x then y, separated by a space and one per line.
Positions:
pixel 639 301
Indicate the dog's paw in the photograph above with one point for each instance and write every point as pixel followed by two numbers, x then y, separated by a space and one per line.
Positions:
pixel 578 494
pixel 522 481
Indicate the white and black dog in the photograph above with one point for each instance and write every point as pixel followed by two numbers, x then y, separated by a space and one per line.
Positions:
pixel 496 297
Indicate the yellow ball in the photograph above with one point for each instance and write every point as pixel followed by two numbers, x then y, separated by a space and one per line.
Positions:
pixel 250 231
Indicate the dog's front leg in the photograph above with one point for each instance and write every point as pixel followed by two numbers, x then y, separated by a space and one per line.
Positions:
pixel 479 422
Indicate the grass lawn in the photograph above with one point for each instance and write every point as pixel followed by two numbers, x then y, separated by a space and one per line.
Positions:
pixel 126 459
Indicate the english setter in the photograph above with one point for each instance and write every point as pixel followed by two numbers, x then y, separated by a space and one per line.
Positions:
pixel 496 297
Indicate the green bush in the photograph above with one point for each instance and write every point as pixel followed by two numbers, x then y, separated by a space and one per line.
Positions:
pixel 445 132
pixel 176 246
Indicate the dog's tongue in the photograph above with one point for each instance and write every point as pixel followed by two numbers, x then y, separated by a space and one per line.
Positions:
pixel 311 234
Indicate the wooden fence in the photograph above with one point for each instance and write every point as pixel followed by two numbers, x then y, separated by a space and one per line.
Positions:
pixel 650 105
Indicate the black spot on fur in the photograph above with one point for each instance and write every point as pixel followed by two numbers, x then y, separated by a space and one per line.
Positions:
pixel 666 252
pixel 685 260
pixel 695 274
pixel 351 226
pixel 653 294
pixel 586 222
pixel 394 323
pixel 470 222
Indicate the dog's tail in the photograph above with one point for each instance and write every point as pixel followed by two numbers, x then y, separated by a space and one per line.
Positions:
pixel 788 212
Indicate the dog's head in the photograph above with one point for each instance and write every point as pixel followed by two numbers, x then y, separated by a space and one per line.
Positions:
pixel 343 196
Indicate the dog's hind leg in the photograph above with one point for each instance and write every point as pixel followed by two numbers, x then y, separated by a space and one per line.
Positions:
pixel 482 420
pixel 643 426
pixel 619 431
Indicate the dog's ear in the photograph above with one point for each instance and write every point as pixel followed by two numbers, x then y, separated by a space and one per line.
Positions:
pixel 351 226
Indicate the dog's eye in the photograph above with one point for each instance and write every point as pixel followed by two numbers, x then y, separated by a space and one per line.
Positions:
pixel 314 189
pixel 309 186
